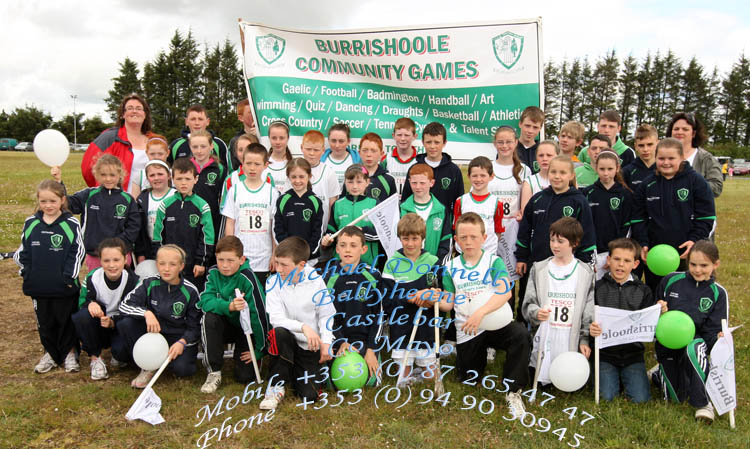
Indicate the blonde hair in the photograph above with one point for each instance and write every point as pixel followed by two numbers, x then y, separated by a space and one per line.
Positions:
pixel 574 129
pixel 54 187
pixel 411 224
pixel 569 162
pixel 110 161
pixel 172 247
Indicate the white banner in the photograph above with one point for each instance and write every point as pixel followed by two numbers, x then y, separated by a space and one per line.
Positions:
pixel 146 408
pixel 542 333
pixel 385 219
pixel 245 322
pixel 623 326
pixel 472 78
pixel 720 383
pixel 506 246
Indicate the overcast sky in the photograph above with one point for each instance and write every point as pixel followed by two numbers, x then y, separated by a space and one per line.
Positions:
pixel 51 50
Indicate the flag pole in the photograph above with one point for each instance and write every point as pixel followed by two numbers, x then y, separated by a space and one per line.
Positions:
pixel 248 332
pixel 725 325
pixel 596 358
pixel 540 351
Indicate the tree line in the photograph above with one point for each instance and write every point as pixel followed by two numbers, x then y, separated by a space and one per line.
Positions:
pixel 649 90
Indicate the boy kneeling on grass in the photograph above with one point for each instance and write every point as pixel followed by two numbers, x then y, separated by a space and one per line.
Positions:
pixel 221 320
pixel 300 340
pixel 491 284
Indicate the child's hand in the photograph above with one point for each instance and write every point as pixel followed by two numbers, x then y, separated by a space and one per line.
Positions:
pixel 141 259
pixel 56 173
pixel 313 339
pixel 343 348
pixel 176 349
pixel 519 216
pixel 152 324
pixel 542 314
pixel 520 268
pixel 663 305
pixel 372 362
pixel 325 355
pixel 271 265
pixel 326 240
pixel 95 310
pixel 644 253
pixel 198 271
pixel 687 245
pixel 471 326
pixel 424 299
pixel 237 304
pixel 107 322
pixel 585 350
pixel 246 357
pixel 595 330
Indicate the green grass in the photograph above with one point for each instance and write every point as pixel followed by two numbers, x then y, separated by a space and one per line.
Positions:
pixel 69 410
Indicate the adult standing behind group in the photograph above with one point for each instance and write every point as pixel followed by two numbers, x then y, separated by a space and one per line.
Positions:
pixel 686 128
pixel 126 141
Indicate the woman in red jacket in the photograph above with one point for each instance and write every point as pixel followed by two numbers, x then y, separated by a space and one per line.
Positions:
pixel 126 141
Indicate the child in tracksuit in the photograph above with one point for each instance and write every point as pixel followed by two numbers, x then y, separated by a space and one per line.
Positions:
pixel 185 220
pixel 412 268
pixel 49 258
pixel 351 206
pixel 352 295
pixel 683 371
pixel 221 322
pixel 675 207
pixel 106 210
pixel 421 201
pixel 167 304
pixel 298 211
pixel 99 302
pixel 158 174
pixel 611 203
pixel 211 174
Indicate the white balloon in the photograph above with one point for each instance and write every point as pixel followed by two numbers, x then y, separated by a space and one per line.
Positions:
pixel 495 320
pixel 51 147
pixel 569 371
pixel 150 351
pixel 146 269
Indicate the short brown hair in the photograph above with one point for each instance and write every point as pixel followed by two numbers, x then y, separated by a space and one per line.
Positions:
pixel 184 165
pixel 471 218
pixel 405 123
pixel 601 138
pixel 574 129
pixel 411 224
pixel 645 130
pixel 372 137
pixel 569 228
pixel 294 248
pixel 256 148
pixel 241 105
pixel 314 136
pixel 196 108
pixel 422 169
pixel 626 244
pixel 480 162
pixel 355 170
pixel 113 242
pixel 230 244
pixel 343 127
pixel 435 129
pixel 611 115
pixel 353 231
pixel 532 113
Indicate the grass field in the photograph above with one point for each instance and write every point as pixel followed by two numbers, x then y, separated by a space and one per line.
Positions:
pixel 59 410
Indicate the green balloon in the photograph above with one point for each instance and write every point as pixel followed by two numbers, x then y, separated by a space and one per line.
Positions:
pixel 349 371
pixel 675 329
pixel 662 259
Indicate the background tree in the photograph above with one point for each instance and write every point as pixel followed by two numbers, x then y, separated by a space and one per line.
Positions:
pixel 125 83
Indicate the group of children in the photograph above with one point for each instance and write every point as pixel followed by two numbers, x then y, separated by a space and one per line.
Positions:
pixel 218 221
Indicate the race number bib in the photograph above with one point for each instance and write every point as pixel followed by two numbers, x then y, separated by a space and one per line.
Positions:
pixel 254 221
pixel 561 315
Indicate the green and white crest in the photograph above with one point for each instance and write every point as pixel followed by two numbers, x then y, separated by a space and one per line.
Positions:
pixel 362 294
pixel 614 203
pixel 437 223
pixel 431 279
pixel 375 192
pixel 682 194
pixel 705 304
pixel 120 210
pixel 536 166
pixel 194 219
pixel 56 240
pixel 270 47
pixel 508 48
pixel 211 178
pixel 307 214
pixel 178 308
pixel 567 211
pixel 445 182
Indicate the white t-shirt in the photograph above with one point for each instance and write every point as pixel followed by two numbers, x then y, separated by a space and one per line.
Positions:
pixel 423 210
pixel 505 187
pixel 277 171
pixel 485 209
pixel 325 186
pixel 537 183
pixel 153 206
pixel 433 164
pixel 339 167
pixel 561 299
pixel 692 157
pixel 253 212
pixel 139 163
pixel 398 168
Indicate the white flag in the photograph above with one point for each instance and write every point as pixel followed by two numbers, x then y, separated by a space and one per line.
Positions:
pixel 506 245
pixel 244 315
pixel 624 326
pixel 385 218
pixel 146 408
pixel 720 383
pixel 542 333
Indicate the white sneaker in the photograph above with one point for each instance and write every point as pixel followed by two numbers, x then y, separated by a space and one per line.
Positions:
pixel 213 380
pixel 45 365
pixel 98 370
pixel 705 413
pixel 515 403
pixel 272 399
pixel 142 379
pixel 71 363
pixel 453 351
pixel 491 352
pixel 114 363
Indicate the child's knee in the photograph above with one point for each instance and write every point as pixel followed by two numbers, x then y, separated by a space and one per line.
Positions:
pixel 211 320
pixel 183 366
pixel 82 318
